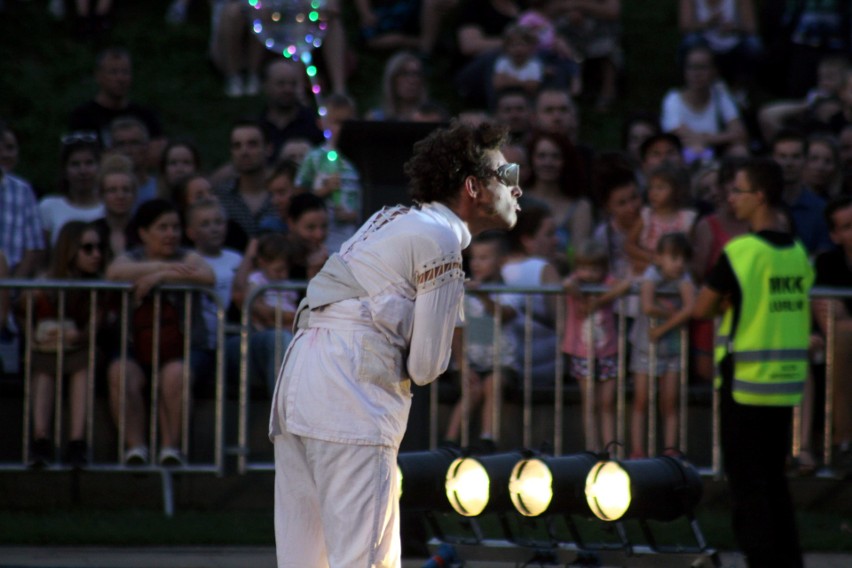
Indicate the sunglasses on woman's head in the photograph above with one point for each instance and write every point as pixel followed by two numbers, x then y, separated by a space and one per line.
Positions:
pixel 79 137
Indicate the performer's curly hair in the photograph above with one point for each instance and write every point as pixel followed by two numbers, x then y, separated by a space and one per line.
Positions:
pixel 442 160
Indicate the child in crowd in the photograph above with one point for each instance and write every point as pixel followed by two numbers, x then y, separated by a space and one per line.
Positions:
pixel 487 252
pixel 518 65
pixel 206 227
pixel 274 254
pixel 660 323
pixel 618 191
pixel 331 176
pixel 274 258
pixel 666 212
pixel 557 55
pixel 280 183
pixel 590 331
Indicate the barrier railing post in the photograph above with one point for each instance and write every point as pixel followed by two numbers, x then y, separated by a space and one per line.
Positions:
pixel 683 390
pixel 559 382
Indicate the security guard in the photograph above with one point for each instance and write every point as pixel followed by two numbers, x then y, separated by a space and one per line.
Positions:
pixel 761 284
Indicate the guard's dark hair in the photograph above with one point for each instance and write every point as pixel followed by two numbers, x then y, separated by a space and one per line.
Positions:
pixel 765 175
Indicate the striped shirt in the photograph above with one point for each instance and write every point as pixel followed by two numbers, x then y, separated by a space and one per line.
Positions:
pixel 20 225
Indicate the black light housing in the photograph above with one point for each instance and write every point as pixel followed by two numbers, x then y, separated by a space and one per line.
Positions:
pixel 661 489
pixel 547 485
pixel 479 484
pixel 421 476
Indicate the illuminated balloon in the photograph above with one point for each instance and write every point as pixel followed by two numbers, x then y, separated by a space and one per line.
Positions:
pixel 292 28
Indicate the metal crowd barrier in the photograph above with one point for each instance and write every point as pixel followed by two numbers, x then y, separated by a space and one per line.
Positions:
pixel 97 436
pixel 537 404
pixel 533 411
pixel 248 458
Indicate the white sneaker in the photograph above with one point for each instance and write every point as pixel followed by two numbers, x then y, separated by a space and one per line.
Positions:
pixel 252 85
pixel 136 456
pixel 171 457
pixel 234 87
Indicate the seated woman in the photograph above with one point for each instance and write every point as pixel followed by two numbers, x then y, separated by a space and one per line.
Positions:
pixel 117 186
pixel 558 181
pixel 729 29
pixel 159 260
pixel 404 88
pixel 702 113
pixel 78 255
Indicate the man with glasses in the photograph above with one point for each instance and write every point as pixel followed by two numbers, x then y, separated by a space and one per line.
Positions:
pixel 379 315
pixel 129 136
pixel 761 284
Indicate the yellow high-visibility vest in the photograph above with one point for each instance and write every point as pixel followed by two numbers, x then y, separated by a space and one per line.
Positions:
pixel 769 346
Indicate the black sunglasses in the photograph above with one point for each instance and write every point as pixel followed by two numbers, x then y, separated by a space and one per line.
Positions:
pixel 89 248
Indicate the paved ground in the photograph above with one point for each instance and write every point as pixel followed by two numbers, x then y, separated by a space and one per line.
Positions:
pixel 245 557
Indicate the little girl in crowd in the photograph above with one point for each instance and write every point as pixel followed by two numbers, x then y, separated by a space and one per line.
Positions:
pixel 274 252
pixel 274 258
pixel 659 323
pixel 668 192
pixel 590 331
pixel 619 195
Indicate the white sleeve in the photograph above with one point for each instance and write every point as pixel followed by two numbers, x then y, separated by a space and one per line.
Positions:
pixel 670 117
pixel 435 314
pixel 727 106
pixel 501 65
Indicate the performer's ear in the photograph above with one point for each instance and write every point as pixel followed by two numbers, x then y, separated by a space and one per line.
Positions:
pixel 470 186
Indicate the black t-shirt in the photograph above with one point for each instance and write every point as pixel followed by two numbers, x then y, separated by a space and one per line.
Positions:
pixel 481 13
pixel 91 116
pixel 304 125
pixel 832 269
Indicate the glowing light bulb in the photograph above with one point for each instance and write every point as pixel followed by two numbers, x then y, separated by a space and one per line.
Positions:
pixel 608 491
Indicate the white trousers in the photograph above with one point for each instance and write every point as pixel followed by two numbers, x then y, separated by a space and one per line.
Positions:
pixel 336 505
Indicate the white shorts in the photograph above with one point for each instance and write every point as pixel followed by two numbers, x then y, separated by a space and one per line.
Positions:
pixel 336 505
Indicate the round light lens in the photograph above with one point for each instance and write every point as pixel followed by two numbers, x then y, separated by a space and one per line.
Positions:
pixel 531 487
pixel 608 491
pixel 467 487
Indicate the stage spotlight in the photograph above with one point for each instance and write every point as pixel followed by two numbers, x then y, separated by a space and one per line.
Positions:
pixel 420 478
pixel 475 484
pixel 660 489
pixel 546 484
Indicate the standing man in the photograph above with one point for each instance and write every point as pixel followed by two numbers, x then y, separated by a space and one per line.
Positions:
pixel 286 115
pixel 761 283
pixel 114 77
pixel 379 314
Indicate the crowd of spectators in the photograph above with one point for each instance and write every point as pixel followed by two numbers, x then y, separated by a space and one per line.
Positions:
pixel 153 212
